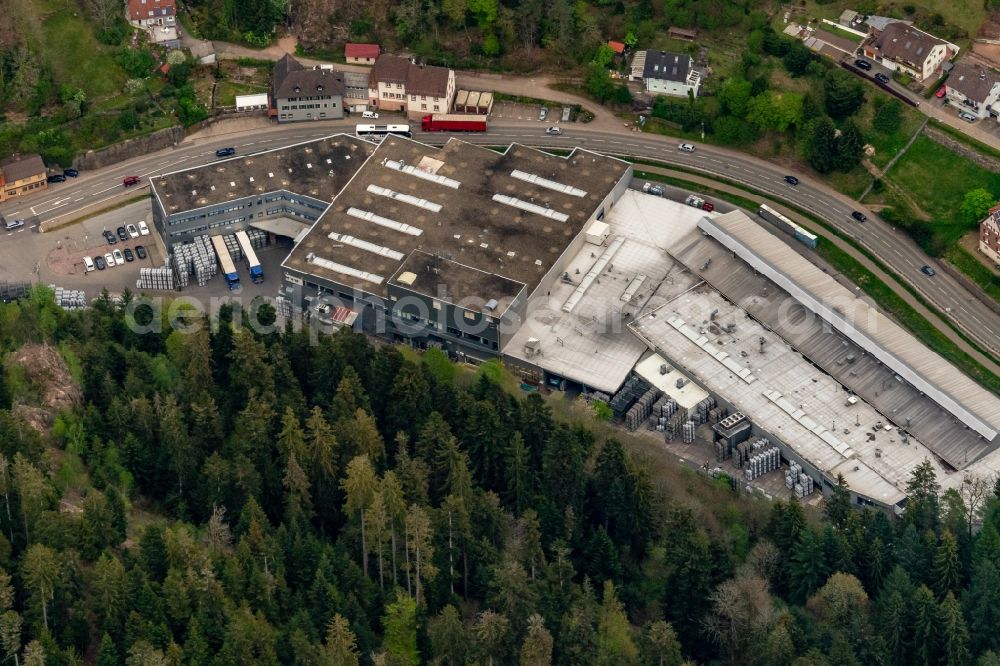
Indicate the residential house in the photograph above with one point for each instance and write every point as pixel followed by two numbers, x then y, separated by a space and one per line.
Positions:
pixel 361 54
pixel 687 34
pixel 21 174
pixel 989 235
pixel 396 84
pixel 665 73
pixel 157 18
pixel 300 93
pixel 904 48
pixel 974 89
pixel 618 48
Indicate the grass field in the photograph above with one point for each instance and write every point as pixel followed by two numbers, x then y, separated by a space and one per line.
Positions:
pixel 227 91
pixel 966 14
pixel 65 40
pixel 938 179
pixel 887 145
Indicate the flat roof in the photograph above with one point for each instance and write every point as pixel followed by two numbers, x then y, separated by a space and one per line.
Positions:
pixel 864 324
pixel 318 169
pixel 461 202
pixel 590 343
pixel 455 282
pixel 719 346
pixel 687 396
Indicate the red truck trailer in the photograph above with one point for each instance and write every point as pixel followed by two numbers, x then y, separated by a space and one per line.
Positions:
pixel 453 122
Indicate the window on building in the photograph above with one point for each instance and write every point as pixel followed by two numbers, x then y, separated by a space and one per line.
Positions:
pixel 471 316
pixel 436 108
pixel 423 107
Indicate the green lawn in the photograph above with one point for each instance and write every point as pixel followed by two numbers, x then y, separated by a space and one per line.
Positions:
pixel 225 94
pixel 887 145
pixel 967 14
pixel 59 32
pixel 937 179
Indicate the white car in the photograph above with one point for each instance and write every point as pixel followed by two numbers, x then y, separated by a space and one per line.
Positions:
pixel 109 260
pixel 554 130
pixel 686 147
pixel 369 114
pixel 132 231
pixel 118 257
pixel 88 264
pixel 143 228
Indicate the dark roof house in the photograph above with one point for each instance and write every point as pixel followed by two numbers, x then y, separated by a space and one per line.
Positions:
pixel 427 80
pixel 902 42
pixel 389 69
pixel 20 167
pixel 666 66
pixel 974 82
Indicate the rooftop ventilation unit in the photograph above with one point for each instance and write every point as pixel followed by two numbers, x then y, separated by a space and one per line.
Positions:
pixel 593 274
pixel 344 270
pixel 633 288
pixel 530 207
pixel 365 245
pixel 413 171
pixel 384 221
pixel 550 184
pixel 405 198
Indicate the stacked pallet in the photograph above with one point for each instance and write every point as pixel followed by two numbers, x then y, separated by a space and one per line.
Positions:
pixel 69 299
pixel 155 278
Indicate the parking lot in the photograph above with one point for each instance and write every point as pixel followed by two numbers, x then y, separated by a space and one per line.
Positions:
pixel 524 112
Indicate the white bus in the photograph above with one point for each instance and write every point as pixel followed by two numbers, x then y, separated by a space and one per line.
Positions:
pixel 250 257
pixel 381 131
pixel 226 262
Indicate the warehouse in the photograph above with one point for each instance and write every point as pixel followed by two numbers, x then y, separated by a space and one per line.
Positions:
pixel 446 246
pixel 293 184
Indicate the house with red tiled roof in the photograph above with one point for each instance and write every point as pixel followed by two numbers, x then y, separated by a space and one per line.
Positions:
pixel 157 18
pixel 361 54
pixel 396 84
pixel 617 47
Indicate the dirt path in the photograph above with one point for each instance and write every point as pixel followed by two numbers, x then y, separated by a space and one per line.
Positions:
pixel 936 321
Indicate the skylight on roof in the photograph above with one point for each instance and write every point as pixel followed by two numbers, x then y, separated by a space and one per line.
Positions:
pixel 546 183
pixel 530 207
pixel 384 221
pixel 405 198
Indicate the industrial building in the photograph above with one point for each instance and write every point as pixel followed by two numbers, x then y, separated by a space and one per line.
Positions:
pixel 681 320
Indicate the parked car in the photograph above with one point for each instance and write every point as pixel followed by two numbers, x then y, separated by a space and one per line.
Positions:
pixel 791 180
pixel 225 152
pixel 686 147
pixel 882 78
pixel 100 263
pixel 13 224
pixel 369 114
pixel 110 237
pixel 543 113
pixel 859 216
pixel 122 234
pixel 109 260
pixel 119 258
pixel 88 264
pixel 56 178
pixel 708 206
pixel 861 63
pixel 71 173
pixel 140 251
pixel 554 130
pixel 650 188
pixel 129 181
pixel 143 229
pixel 128 255
pixel 967 117
pixel 132 231
pixel 942 91
pixel 928 271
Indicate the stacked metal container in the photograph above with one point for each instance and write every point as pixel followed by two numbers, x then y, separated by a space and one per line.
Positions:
pixel 155 278
pixel 700 412
pixel 69 299
pixel 631 391
pixel 761 463
pixel 723 450
pixel 641 409
pixel 258 238
pixel 745 450
pixel 233 245
pixel 688 431
pixel 798 480
pixel 195 259
pixel 12 291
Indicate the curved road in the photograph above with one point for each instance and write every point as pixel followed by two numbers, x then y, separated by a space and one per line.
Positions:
pixel 894 249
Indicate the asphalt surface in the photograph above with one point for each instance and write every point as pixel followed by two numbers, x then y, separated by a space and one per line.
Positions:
pixel 893 248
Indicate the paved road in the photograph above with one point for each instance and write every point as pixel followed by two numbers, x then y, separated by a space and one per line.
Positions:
pixel 895 249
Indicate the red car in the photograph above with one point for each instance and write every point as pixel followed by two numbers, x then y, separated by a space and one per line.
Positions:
pixel 131 180
pixel 708 206
pixel 942 92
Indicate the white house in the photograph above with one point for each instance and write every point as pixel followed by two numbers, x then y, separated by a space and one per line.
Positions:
pixel 989 235
pixel 975 89
pixel 907 49
pixel 665 73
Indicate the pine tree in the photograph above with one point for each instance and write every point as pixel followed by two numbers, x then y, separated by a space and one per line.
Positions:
pixel 107 653
pixel 41 571
pixel 321 454
pixel 954 634
pixel 449 637
pixel 400 622
pixel 838 504
pixel 10 635
pixel 341 643
pixel 419 543
pixel 946 566
pixel 614 639
pixel 808 566
pixel 536 650
pixel 490 631
pixel 925 627
pixel 664 648
pixel 359 484
pixel 298 503
pixel 519 483
pixel 923 508
pixel 982 607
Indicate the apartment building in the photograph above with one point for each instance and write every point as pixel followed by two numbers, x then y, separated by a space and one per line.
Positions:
pixel 21 174
pixel 396 84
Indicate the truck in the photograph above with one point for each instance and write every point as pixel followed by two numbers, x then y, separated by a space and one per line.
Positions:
pixel 453 122
pixel 250 257
pixel 226 263
pixel 698 202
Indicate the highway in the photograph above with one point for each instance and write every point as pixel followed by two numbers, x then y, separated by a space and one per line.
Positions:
pixel 894 249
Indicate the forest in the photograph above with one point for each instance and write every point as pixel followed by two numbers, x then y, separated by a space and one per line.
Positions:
pixel 225 496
